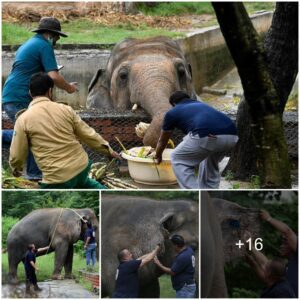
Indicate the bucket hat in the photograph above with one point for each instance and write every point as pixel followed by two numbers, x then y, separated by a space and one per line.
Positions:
pixel 50 24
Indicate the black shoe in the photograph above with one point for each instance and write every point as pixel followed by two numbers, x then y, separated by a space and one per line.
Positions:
pixel 37 288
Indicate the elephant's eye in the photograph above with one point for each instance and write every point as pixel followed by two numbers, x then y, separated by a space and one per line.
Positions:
pixel 181 71
pixel 123 74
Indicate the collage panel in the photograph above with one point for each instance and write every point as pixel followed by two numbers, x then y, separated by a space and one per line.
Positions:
pixel 249 244
pixel 50 244
pixel 149 244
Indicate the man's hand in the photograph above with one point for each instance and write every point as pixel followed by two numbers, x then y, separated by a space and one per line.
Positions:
pixel 73 87
pixel 116 155
pixel 158 158
pixel 17 173
pixel 37 269
pixel 264 215
pixel 156 261
pixel 157 248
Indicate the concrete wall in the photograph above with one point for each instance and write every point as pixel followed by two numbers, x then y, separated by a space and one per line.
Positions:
pixel 205 50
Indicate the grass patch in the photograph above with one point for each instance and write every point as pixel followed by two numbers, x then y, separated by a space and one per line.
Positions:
pixel 46 264
pixel 176 8
pixel 83 31
pixel 253 7
pixel 195 8
pixel 166 290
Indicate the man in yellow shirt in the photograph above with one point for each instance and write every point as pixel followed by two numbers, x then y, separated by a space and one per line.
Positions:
pixel 53 132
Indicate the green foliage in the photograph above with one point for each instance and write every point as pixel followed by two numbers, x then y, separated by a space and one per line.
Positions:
pixel 176 8
pixel 83 31
pixel 253 7
pixel 166 290
pixel 254 182
pixel 160 195
pixel 79 249
pixel 243 293
pixel 235 186
pixel 195 8
pixel 14 34
pixel 19 203
pixel 7 224
pixel 229 175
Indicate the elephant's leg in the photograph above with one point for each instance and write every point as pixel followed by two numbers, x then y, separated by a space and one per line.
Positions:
pixel 150 290
pixel 13 261
pixel 69 263
pixel 61 252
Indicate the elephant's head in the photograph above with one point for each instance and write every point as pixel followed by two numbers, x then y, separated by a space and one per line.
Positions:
pixel 184 222
pixel 180 217
pixel 81 217
pixel 143 72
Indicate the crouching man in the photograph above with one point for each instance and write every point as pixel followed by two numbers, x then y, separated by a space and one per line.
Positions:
pixel 53 132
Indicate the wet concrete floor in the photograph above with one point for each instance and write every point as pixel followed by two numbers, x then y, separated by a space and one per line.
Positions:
pixel 67 288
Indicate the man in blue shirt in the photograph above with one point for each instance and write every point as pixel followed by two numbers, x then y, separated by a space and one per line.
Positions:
pixel 210 134
pixel 31 268
pixel 182 270
pixel 277 285
pixel 90 244
pixel 288 249
pixel 127 281
pixel 35 55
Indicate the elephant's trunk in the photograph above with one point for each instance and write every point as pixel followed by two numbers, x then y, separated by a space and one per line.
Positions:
pixel 153 86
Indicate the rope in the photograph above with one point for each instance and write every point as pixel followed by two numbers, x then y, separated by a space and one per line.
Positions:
pixel 81 218
pixel 54 231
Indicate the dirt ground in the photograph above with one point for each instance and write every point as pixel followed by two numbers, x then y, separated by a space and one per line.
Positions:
pixel 105 13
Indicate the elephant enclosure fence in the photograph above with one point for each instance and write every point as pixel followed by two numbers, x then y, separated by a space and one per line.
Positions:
pixel 112 124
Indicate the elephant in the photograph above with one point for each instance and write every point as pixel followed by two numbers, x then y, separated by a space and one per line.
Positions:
pixel 213 284
pixel 58 227
pixel 143 72
pixel 139 224
pixel 223 223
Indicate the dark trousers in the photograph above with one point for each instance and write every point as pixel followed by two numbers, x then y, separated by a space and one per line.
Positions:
pixel 30 276
pixel 32 170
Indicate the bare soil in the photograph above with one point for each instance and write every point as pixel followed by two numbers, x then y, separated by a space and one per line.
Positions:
pixel 104 13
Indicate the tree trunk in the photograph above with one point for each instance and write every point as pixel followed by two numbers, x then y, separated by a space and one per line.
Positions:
pixel 264 101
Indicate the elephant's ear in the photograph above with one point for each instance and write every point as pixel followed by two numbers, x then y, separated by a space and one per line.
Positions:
pixel 190 70
pixel 94 80
pixel 99 91
pixel 166 224
pixel 171 221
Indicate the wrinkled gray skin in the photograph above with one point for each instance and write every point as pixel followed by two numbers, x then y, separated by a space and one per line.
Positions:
pixel 139 224
pixel 223 223
pixel 145 72
pixel 38 228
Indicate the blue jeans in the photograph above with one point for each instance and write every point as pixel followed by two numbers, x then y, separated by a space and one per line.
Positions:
pixel 90 253
pixel 187 291
pixel 32 170
pixel 7 135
